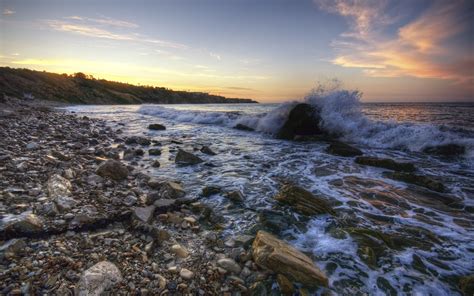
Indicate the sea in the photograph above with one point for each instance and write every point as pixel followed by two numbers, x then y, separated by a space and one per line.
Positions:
pixel 388 238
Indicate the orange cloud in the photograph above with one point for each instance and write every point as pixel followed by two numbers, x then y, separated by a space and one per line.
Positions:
pixel 422 48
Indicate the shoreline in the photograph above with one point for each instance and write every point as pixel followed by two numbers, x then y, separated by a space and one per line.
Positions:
pixel 62 217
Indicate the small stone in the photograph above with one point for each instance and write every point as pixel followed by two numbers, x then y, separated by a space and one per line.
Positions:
pixel 229 265
pixel 112 169
pixel 100 277
pixel 144 214
pixel 58 186
pixel 32 146
pixel 156 164
pixel 243 240
pixel 186 274
pixel 235 196
pixel 179 251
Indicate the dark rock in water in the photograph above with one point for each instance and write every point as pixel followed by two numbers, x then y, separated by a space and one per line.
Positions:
pixel 276 222
pixel 281 258
pixel 243 127
pixel 154 151
pixel 138 140
pixel 156 164
pixel 302 120
pixel 419 180
pixel 303 201
pixel 156 127
pixel 210 190
pixel 466 284
pixel 342 149
pixel 165 190
pixel 113 169
pixel 164 205
pixel 446 150
pixel 207 150
pixel 385 163
pixel 235 196
pixel 186 158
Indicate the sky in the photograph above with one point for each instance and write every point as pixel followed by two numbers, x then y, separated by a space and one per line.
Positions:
pixel 268 50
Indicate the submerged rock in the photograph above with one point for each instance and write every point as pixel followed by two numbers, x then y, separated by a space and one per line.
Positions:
pixel 303 201
pixel 186 158
pixel 419 180
pixel 112 169
pixel 303 119
pixel 342 149
pixel 243 127
pixel 466 284
pixel 210 190
pixel 154 151
pixel 446 150
pixel 157 127
pixel 207 150
pixel 386 163
pixel 98 278
pixel 271 253
pixel 235 196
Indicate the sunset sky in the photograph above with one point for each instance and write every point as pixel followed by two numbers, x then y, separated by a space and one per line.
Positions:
pixel 275 50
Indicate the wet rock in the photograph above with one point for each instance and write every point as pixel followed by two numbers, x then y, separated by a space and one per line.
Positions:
pixel 186 158
pixel 65 203
pixel 23 224
pixel 99 278
pixel 466 284
pixel 112 169
pixel 446 150
pixel 243 240
pixel 286 286
pixel 243 127
pixel 303 119
pixel 12 248
pixel 165 190
pixel 210 190
pixel 58 186
pixel 144 214
pixel 156 127
pixel 303 201
pixel 138 140
pixel 235 196
pixel 385 163
pixel 342 149
pixel 186 274
pixel 154 151
pixel 229 265
pixel 165 204
pixel 179 251
pixel 207 150
pixel 419 180
pixel 156 164
pixel 385 286
pixel 276 255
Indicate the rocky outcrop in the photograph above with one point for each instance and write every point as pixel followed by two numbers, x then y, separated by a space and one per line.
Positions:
pixel 303 201
pixel 186 158
pixel 386 163
pixel 112 169
pixel 156 127
pixel 342 149
pixel 419 180
pixel 271 253
pixel 302 120
pixel 99 278
pixel 446 150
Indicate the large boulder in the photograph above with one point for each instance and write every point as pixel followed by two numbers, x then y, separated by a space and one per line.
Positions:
pixel 342 149
pixel 419 180
pixel 99 278
pixel 186 158
pixel 385 163
pixel 303 120
pixel 271 253
pixel 303 201
pixel 112 169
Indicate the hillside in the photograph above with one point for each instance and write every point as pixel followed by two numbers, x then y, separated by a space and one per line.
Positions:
pixel 83 89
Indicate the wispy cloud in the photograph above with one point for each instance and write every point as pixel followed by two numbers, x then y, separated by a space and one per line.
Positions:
pixel 103 28
pixel 215 55
pixel 423 47
pixel 8 11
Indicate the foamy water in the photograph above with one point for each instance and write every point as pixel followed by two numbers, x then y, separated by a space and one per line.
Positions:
pixel 256 164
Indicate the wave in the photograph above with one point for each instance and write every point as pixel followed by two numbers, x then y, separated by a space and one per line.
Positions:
pixel 341 115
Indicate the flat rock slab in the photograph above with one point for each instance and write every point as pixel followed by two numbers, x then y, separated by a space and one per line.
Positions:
pixel 386 163
pixel 274 254
pixel 303 201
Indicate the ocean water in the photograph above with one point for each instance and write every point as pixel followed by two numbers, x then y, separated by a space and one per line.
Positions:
pixel 432 233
